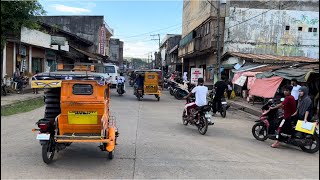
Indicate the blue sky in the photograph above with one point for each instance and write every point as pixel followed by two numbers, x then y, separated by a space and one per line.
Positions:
pixel 133 21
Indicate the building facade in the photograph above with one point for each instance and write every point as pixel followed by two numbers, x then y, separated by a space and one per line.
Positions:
pixel 91 28
pixel 284 28
pixel 116 51
pixel 169 58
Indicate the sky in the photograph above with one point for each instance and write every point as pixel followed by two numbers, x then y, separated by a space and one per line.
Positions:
pixel 132 21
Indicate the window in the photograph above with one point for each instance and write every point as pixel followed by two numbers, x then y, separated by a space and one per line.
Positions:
pixel 287 28
pixel 310 30
pixel 82 89
pixel 299 28
pixel 315 29
pixel 109 69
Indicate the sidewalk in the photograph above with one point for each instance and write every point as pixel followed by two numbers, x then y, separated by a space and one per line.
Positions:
pixel 241 104
pixel 11 98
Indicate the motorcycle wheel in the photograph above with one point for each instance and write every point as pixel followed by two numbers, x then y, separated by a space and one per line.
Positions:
pixel 203 125
pixel 257 133
pixel 139 98
pixel 178 95
pixel 184 118
pixel 48 152
pixel 171 92
pixel 311 148
pixel 223 112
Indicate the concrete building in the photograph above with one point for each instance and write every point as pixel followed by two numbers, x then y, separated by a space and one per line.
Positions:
pixel 247 26
pixel 169 60
pixel 284 28
pixel 32 51
pixel 91 28
pixel 116 51
pixel 198 45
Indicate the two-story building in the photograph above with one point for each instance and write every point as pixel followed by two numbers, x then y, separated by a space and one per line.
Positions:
pixel 168 51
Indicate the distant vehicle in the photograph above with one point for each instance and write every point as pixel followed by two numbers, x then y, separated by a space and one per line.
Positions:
pixel 113 72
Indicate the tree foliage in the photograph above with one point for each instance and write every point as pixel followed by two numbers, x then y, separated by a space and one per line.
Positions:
pixel 15 14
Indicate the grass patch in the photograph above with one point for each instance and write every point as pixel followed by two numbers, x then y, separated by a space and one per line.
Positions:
pixel 21 107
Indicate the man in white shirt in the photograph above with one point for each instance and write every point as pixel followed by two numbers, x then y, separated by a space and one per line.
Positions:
pixel 295 90
pixel 201 92
pixel 121 80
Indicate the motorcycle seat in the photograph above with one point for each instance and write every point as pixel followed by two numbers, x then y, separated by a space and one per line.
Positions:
pixel 204 108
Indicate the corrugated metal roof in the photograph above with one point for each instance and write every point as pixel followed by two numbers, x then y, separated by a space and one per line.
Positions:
pixel 264 58
pixel 267 68
pixel 249 67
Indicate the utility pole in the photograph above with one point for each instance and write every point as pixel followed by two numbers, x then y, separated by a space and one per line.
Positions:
pixel 218 42
pixel 160 55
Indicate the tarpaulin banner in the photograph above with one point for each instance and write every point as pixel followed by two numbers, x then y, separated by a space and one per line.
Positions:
pixel 266 87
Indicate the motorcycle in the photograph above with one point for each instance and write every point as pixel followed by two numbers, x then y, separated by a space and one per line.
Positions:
pixel 46 139
pixel 172 85
pixel 182 90
pixel 120 89
pixel 265 128
pixel 199 117
pixel 224 105
pixel 138 92
pixel 131 82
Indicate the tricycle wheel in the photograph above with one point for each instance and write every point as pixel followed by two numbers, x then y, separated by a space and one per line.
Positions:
pixel 47 152
pixel 110 155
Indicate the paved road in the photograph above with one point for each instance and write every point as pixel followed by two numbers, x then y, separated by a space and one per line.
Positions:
pixel 153 143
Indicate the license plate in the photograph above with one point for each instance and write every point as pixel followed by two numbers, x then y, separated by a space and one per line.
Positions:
pixel 43 136
pixel 223 102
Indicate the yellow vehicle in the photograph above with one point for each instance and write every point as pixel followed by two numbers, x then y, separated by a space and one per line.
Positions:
pixel 150 86
pixel 76 111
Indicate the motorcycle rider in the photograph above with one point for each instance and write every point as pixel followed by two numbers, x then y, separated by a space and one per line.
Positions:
pixel 289 108
pixel 200 92
pixel 121 80
pixel 220 88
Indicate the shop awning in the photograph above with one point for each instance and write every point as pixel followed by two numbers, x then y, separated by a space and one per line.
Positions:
pixel 300 74
pixel 265 87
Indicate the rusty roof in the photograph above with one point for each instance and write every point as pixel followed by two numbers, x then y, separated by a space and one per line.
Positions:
pixel 268 68
pixel 265 58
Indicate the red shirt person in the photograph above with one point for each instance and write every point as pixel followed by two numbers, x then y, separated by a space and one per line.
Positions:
pixel 289 108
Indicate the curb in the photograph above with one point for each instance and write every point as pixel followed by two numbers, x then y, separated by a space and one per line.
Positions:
pixel 245 109
pixel 12 104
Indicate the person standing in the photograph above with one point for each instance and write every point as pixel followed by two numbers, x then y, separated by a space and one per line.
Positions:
pixel 295 90
pixel 220 87
pixel 229 91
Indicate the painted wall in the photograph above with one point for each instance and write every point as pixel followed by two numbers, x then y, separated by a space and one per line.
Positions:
pixel 267 34
pixel 194 13
pixel 114 49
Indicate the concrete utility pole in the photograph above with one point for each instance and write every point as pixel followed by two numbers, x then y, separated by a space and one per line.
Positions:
pixel 218 42
pixel 219 2
pixel 160 55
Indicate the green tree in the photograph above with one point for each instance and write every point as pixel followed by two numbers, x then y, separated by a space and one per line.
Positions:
pixel 16 14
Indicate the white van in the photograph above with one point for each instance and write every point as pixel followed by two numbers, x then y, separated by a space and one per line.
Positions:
pixel 112 71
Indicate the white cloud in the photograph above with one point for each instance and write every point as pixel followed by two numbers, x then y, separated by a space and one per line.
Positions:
pixel 69 9
pixel 138 49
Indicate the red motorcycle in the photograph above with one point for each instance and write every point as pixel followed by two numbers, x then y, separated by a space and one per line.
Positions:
pixel 270 120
